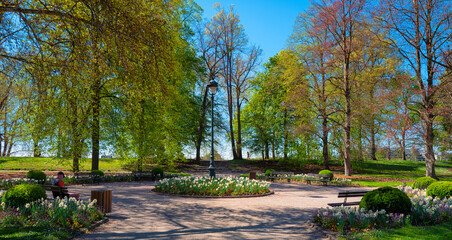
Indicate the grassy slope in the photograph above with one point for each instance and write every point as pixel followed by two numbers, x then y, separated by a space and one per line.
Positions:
pixel 51 164
pixel 396 171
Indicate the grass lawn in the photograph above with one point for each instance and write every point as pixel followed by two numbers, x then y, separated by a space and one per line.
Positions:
pixel 52 164
pixel 33 233
pixel 441 231
pixel 380 173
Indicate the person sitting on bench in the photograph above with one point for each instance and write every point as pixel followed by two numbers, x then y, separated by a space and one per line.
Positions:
pixel 58 181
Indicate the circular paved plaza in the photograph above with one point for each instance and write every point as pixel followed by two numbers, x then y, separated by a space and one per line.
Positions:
pixel 139 213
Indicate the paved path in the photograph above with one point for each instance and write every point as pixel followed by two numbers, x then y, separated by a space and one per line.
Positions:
pixel 139 213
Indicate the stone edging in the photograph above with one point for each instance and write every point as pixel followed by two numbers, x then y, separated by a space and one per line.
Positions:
pixel 200 196
pixel 329 234
pixel 89 228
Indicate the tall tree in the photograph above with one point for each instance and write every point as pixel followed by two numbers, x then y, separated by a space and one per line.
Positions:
pixel 314 50
pixel 421 32
pixel 342 19
pixel 233 41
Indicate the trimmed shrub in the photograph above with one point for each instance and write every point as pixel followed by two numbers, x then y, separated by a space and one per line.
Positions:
pixel 440 189
pixel 423 182
pixel 22 194
pixel 390 199
pixel 267 173
pixel 327 172
pixel 97 173
pixel 157 171
pixel 37 175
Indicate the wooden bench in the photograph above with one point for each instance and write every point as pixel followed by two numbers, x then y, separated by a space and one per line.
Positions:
pixel 346 195
pixel 87 176
pixel 280 175
pixel 59 191
pixel 143 175
pixel 325 179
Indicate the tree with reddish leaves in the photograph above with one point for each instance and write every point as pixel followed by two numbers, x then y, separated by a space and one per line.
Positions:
pixel 421 31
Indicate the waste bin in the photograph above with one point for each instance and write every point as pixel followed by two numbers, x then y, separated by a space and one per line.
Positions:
pixel 103 198
pixel 252 175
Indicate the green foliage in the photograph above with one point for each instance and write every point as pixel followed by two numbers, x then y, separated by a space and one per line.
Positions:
pixel 327 172
pixel 440 189
pixel 423 182
pixel 267 173
pixel 19 195
pixel 37 175
pixel 97 173
pixel 390 199
pixel 157 171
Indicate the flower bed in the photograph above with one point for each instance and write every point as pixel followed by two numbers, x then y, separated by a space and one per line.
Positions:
pixel 204 186
pixel 59 215
pixel 424 211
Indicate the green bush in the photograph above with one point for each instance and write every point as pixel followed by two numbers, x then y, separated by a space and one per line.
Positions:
pixel 440 189
pixel 37 175
pixel 267 173
pixel 97 173
pixel 423 182
pixel 390 199
pixel 22 194
pixel 157 171
pixel 327 172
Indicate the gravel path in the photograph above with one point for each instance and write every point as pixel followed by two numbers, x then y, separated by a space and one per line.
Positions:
pixel 139 213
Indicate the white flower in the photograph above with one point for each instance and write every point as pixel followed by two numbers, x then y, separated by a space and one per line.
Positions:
pixel 27 205
pixel 61 204
pixel 3 204
pixel 50 205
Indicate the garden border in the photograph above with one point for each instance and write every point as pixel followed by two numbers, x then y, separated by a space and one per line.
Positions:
pixel 202 196
pixel 90 227
pixel 329 234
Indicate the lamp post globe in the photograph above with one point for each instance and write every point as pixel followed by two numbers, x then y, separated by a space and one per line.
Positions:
pixel 212 88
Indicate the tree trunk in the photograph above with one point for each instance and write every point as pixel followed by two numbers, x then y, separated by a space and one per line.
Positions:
pixel 239 129
pixel 403 144
pixel 360 142
pixel 201 126
pixel 5 132
pixel 267 151
pixel 326 156
pixel 36 150
pixel 273 150
pixel 96 88
pixel 230 109
pixel 348 120
pixel 96 126
pixel 429 153
pixel 286 135
pixel 373 147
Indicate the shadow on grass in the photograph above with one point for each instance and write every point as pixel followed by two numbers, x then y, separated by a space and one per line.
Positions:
pixel 386 167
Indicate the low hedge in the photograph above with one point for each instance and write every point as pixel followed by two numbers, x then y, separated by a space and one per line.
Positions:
pixel 440 189
pixel 22 194
pixel 423 182
pixel 390 199
pixel 37 175
pixel 327 172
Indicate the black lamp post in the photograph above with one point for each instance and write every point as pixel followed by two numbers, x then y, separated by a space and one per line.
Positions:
pixel 212 87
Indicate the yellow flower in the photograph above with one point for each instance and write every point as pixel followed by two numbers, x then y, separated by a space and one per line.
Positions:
pixel 3 203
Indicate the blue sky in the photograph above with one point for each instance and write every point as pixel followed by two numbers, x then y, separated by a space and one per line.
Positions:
pixel 268 23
